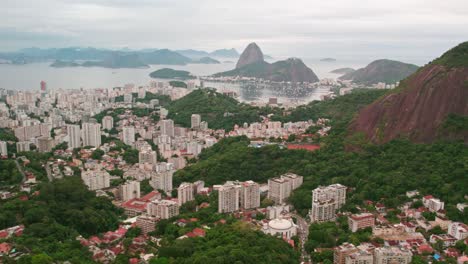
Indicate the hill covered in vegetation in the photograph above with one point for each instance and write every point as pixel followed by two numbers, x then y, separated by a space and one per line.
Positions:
pixel 376 171
pixel 219 110
pixel 53 219
pixel 386 71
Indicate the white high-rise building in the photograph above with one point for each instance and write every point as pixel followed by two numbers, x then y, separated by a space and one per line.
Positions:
pixel 185 193
pixel 390 255
pixel 45 144
pixel 296 180
pixel 74 136
pixel 326 200
pixel 3 148
pixel 162 181
pixel 91 134
pixel 250 195
pixel 128 135
pixel 129 190
pixel 147 156
pixel 228 198
pixel 280 188
pixel 167 127
pixel 107 122
pixel 23 146
pixel 163 209
pixel 195 121
pixel 96 180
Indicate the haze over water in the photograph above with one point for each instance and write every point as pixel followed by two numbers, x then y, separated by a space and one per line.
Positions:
pixel 28 76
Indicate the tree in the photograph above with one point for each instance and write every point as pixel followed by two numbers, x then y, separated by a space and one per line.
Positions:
pixel 131 156
pixel 97 154
pixel 41 259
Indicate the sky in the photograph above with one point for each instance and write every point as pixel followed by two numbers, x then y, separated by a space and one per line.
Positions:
pixel 415 30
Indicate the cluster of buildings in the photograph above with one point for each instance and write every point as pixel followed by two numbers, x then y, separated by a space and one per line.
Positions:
pixel 400 241
pixel 367 253
pixel 233 196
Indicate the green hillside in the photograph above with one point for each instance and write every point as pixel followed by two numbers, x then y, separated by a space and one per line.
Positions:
pixel 220 111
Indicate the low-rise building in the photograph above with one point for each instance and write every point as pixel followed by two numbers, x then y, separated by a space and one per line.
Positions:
pixel 283 228
pixel 433 204
pixel 458 230
pixel 342 251
pixel 390 255
pixel 146 223
pixel 360 221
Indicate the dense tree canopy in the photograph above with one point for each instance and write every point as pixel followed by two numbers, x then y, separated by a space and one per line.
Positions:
pixel 236 243
pixel 219 110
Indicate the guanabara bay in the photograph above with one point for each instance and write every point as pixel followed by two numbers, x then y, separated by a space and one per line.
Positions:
pixel 161 132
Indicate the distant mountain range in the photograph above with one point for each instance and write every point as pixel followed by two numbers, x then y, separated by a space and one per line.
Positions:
pixel 124 58
pixel 196 54
pixel 429 105
pixel 252 64
pixel 386 71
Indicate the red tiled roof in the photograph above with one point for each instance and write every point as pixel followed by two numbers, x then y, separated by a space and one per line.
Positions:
pixel 135 204
pixel 150 196
pixel 199 232
pixel 308 147
pixel 4 234
pixel 5 247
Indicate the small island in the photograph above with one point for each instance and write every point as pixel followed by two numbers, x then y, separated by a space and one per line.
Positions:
pixel 206 60
pixel 167 73
pixel 343 71
pixel 328 59
pixel 63 64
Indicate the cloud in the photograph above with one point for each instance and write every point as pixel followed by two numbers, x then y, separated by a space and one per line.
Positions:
pixel 299 28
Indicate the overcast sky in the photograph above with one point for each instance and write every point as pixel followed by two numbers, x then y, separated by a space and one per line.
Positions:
pixel 412 29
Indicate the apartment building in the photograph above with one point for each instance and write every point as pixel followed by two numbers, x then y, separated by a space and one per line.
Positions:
pixel 360 221
pixel 129 190
pixel 228 198
pixel 96 180
pixel 163 209
pixel 326 200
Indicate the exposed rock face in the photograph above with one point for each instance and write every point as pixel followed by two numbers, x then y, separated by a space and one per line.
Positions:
pixel 419 107
pixel 386 71
pixel 252 64
pixel 252 54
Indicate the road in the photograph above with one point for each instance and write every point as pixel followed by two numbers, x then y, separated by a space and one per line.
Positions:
pixel 49 172
pixel 303 232
pixel 20 170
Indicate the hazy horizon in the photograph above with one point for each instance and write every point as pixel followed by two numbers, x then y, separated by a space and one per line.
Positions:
pixel 399 29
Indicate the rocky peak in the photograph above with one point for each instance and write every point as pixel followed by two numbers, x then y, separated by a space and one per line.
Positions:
pixel 252 54
pixel 423 108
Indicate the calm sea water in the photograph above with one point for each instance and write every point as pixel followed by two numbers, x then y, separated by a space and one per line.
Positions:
pixel 28 77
